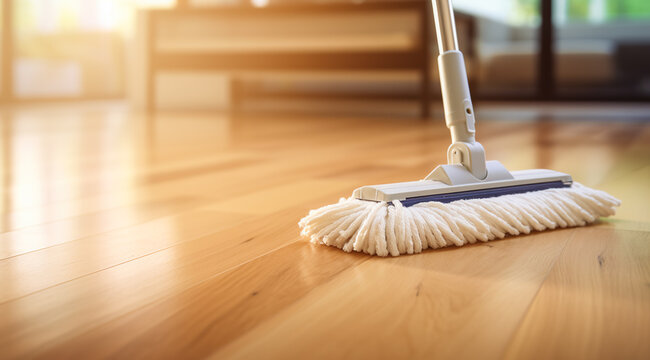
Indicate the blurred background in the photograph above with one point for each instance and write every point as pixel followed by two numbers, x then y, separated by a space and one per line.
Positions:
pixel 243 55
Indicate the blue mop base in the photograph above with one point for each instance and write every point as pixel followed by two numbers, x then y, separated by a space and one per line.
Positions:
pixel 485 193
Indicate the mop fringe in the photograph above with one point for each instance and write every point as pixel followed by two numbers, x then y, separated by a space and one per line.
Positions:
pixel 380 228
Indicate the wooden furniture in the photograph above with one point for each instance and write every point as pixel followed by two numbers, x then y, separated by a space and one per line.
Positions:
pixel 415 58
pixel 175 236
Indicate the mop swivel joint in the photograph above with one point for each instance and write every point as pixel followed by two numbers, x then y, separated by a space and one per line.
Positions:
pixel 470 155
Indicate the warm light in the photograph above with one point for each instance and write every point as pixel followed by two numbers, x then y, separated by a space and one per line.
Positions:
pixel 154 3
pixel 260 3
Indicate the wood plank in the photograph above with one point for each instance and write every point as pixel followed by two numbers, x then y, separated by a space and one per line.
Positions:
pixel 45 318
pixel 280 197
pixel 417 307
pixel 38 270
pixel 216 310
pixel 57 232
pixel 39 321
pixel 595 303
pixel 53 265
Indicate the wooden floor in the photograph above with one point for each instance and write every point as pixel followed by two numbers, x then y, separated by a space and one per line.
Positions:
pixel 175 236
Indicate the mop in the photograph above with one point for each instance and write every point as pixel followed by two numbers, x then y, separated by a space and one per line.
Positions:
pixel 463 202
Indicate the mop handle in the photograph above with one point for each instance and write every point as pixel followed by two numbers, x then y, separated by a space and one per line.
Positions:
pixel 457 102
pixel 445 25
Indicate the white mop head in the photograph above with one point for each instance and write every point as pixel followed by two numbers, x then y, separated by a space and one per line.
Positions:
pixel 380 228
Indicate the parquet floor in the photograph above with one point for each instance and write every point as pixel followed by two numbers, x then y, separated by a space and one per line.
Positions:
pixel 175 236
